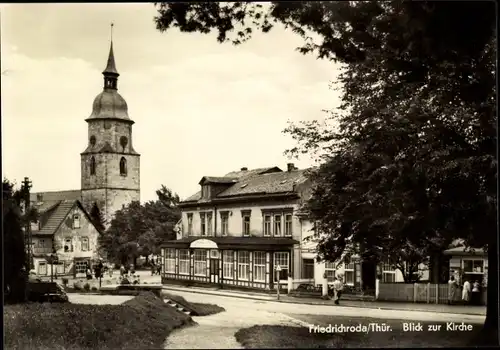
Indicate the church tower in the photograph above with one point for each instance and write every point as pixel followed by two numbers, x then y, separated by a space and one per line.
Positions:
pixel 110 167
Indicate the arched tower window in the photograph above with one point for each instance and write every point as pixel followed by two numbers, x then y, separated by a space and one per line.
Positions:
pixel 123 142
pixel 123 166
pixel 92 166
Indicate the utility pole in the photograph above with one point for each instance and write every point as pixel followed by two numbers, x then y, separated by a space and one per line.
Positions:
pixel 278 270
pixel 26 186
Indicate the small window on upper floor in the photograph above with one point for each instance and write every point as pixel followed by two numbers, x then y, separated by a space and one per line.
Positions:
pixel 123 166
pixel 92 140
pixel 68 245
pixel 85 244
pixel 92 166
pixel 76 221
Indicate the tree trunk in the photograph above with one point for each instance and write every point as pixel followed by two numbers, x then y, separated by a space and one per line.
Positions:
pixel 489 333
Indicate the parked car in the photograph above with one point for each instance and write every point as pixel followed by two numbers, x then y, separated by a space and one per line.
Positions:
pixel 39 291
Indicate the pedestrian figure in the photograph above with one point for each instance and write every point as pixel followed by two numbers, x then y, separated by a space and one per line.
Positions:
pixel 476 295
pixel 89 273
pixel 466 292
pixel 159 269
pixel 153 268
pixel 110 270
pixel 338 286
pixel 122 270
pixel 132 270
pixel 452 288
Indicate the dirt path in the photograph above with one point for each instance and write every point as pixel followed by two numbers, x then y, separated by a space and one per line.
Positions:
pixel 98 299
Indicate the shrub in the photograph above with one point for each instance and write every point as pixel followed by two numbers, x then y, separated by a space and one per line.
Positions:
pixel 65 281
pixel 125 281
pixel 77 286
pixel 136 282
pixel 86 286
pixel 141 323
pixel 93 288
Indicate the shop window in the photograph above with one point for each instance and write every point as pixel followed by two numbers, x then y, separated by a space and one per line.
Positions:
pixel 228 264
pixel 243 265
pixel 200 262
pixel 170 260
pixel 183 261
pixel 259 266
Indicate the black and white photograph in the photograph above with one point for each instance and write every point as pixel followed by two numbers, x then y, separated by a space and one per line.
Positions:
pixel 249 175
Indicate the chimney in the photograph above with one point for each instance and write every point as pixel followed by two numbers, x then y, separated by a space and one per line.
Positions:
pixel 290 166
pixel 244 169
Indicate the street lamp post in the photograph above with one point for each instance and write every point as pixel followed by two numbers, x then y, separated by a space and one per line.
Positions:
pixel 278 270
pixel 26 186
pixel 52 259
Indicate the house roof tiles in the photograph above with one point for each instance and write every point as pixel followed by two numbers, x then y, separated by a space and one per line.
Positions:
pixel 56 218
pixel 271 180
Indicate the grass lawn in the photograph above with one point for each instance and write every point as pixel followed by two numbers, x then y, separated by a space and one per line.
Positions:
pixel 140 323
pixel 301 337
pixel 196 308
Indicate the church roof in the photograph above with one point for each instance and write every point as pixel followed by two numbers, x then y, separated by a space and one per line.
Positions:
pixel 111 66
pixel 51 196
pixel 109 104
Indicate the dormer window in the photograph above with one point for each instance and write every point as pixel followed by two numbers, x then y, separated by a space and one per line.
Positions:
pixel 205 191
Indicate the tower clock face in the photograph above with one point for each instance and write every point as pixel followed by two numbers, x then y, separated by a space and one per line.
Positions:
pixel 107 124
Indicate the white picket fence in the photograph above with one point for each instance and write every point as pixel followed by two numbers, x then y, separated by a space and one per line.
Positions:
pixel 418 292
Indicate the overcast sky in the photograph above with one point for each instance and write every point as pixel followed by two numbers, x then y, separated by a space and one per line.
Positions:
pixel 200 107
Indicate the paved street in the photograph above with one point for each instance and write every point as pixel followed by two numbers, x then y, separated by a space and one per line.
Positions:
pixel 248 306
pixel 383 305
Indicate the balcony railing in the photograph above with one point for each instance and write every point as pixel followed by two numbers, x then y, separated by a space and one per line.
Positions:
pixel 42 250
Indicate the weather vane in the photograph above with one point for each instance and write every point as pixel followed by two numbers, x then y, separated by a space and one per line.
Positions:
pixel 112 24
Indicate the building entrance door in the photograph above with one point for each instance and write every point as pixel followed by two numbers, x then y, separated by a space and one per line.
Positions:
pixel 214 270
pixel 214 266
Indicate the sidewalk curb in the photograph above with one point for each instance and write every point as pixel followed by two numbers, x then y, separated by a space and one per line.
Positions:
pixel 251 297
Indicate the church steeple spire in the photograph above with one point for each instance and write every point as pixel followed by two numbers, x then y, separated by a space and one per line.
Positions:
pixel 110 73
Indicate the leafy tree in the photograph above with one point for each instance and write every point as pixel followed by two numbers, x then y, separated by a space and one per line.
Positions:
pixel 14 249
pixel 167 197
pixel 139 229
pixel 411 161
pixel 97 218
